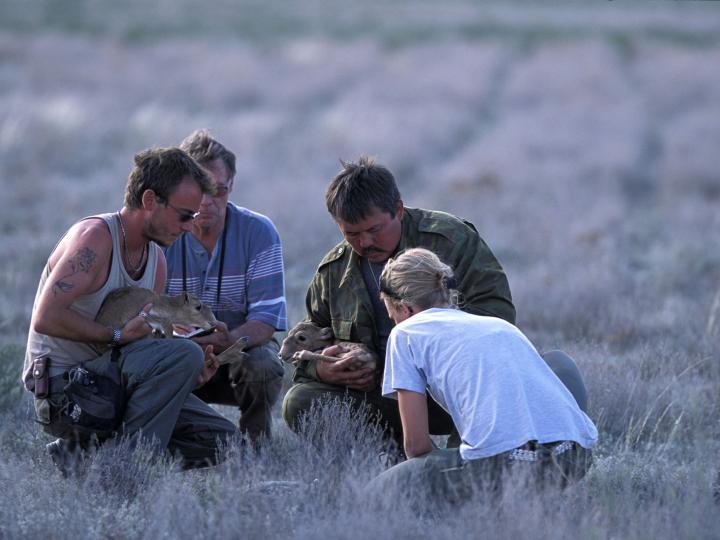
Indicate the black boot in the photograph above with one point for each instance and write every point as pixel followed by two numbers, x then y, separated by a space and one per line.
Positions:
pixel 66 455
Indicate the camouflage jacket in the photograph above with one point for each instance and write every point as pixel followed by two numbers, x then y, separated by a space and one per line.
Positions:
pixel 337 295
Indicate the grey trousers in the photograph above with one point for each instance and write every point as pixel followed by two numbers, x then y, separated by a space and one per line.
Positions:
pixel 442 475
pixel 253 385
pixel 301 395
pixel 158 376
pixel 567 371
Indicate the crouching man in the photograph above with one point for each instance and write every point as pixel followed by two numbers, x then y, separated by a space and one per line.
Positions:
pixel 232 260
pixel 139 388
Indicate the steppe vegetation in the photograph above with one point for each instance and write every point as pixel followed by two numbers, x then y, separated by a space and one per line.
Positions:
pixel 581 138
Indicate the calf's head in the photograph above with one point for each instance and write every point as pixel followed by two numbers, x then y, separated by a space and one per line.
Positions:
pixel 305 336
pixel 186 309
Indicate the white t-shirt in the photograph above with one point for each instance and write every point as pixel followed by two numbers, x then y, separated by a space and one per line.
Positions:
pixel 487 375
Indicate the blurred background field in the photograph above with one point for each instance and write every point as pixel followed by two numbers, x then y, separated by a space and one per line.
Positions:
pixel 581 138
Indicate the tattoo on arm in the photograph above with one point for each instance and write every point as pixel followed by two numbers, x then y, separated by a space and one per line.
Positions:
pixel 82 261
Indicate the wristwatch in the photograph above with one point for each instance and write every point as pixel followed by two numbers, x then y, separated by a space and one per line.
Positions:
pixel 116 334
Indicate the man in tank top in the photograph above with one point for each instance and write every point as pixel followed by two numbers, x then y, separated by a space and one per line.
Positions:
pixel 95 256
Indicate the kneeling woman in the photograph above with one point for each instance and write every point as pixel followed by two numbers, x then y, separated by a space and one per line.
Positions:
pixel 506 402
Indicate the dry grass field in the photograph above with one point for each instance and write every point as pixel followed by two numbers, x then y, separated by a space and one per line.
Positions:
pixel 581 138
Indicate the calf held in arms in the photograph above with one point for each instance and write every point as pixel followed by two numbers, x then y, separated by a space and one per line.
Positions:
pixel 306 341
pixel 184 309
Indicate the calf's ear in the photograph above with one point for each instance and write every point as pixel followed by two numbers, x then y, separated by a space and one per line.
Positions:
pixel 186 297
pixel 326 333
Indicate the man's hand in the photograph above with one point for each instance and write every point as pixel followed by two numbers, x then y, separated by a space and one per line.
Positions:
pixel 345 372
pixel 220 339
pixel 211 366
pixel 137 327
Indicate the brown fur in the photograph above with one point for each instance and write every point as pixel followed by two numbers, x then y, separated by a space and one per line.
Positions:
pixel 306 340
pixel 125 303
pixel 186 309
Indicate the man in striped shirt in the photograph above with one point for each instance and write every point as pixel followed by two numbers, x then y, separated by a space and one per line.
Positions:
pixel 232 261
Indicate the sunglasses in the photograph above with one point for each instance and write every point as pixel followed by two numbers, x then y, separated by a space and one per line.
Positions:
pixel 183 215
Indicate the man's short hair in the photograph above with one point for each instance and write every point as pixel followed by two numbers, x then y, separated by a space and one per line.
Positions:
pixel 359 187
pixel 162 170
pixel 204 149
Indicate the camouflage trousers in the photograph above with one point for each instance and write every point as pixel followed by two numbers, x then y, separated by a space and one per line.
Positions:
pixel 253 385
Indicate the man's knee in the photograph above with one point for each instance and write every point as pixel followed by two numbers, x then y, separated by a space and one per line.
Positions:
pixel 299 400
pixel 179 361
pixel 187 356
pixel 262 364
pixel 260 373
pixel 174 361
pixel 296 401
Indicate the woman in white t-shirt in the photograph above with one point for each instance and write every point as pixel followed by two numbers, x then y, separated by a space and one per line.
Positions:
pixel 507 404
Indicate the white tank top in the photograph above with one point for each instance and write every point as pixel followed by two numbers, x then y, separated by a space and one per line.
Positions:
pixel 65 354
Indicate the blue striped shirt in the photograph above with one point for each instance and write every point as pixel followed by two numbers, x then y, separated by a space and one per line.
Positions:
pixel 253 286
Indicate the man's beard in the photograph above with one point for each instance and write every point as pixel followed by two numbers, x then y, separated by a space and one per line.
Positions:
pixel 151 235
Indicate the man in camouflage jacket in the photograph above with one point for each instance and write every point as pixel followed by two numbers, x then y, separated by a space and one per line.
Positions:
pixel 365 203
